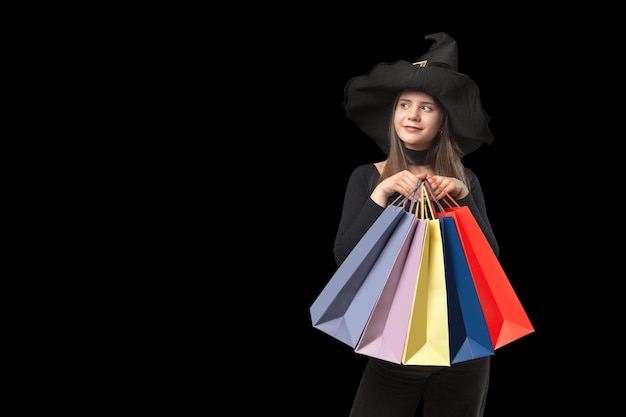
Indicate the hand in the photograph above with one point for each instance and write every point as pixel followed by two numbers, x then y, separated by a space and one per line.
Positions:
pixel 452 186
pixel 403 182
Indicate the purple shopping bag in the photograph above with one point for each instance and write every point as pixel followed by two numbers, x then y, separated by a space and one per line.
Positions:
pixel 385 333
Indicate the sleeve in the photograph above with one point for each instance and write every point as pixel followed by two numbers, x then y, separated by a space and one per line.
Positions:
pixel 475 200
pixel 359 211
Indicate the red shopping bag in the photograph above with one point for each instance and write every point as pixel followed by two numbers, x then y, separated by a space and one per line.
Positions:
pixel 504 313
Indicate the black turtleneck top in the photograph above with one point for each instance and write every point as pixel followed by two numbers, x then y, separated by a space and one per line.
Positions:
pixel 359 211
pixel 417 157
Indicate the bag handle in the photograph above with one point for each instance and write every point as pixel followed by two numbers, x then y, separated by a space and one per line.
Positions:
pixel 402 200
pixel 426 207
pixel 447 198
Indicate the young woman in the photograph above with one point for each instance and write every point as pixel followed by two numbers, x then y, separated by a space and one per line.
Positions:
pixel 425 116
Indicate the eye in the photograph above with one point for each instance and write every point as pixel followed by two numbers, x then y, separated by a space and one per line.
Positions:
pixel 427 108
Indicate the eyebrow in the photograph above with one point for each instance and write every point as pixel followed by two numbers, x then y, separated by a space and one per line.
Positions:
pixel 432 103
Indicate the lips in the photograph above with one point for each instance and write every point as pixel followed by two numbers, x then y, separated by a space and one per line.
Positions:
pixel 412 128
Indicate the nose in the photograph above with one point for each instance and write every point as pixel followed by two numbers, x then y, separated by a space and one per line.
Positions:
pixel 414 115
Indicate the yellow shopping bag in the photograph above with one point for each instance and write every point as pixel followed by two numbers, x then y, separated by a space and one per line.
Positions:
pixel 427 341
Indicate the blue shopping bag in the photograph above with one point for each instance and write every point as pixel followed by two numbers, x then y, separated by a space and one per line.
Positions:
pixel 468 331
pixel 346 302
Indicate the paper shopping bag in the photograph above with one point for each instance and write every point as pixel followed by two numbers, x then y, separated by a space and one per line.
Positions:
pixel 427 341
pixel 505 316
pixel 468 331
pixel 384 335
pixel 345 303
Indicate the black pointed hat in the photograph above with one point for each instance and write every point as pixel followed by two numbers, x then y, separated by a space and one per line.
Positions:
pixel 369 98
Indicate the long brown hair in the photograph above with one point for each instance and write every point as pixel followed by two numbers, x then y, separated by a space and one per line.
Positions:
pixel 444 155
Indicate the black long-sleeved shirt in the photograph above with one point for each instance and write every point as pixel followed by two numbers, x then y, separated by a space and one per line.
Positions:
pixel 360 211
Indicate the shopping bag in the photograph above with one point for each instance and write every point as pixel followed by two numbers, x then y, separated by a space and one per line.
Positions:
pixel 385 333
pixel 427 340
pixel 468 331
pixel 344 305
pixel 504 313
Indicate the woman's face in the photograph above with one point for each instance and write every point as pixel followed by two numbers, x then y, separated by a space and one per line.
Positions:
pixel 417 119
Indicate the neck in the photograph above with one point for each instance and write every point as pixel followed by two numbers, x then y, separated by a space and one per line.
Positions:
pixel 416 157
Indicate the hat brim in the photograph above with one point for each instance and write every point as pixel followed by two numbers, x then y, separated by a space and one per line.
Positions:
pixel 369 101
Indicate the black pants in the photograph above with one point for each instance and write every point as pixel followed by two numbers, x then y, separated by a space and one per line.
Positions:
pixel 391 390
